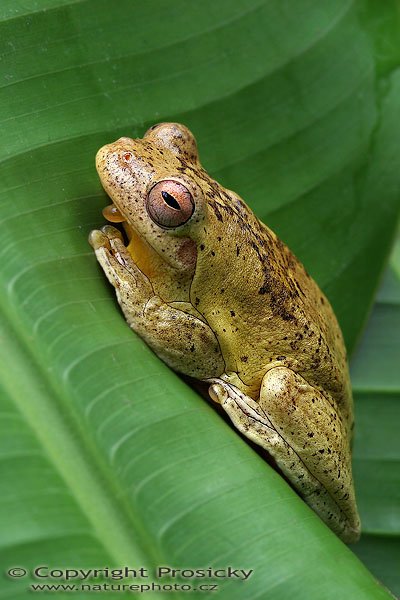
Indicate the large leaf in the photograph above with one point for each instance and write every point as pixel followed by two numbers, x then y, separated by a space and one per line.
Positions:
pixel 108 458
pixel 376 382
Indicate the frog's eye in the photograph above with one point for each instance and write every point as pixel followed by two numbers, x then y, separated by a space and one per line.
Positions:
pixel 169 204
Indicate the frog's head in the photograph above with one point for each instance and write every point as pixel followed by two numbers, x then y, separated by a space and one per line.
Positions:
pixel 169 206
pixel 154 192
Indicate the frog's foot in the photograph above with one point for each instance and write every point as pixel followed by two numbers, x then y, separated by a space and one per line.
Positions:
pixel 178 337
pixel 302 430
pixel 120 269
pixel 250 418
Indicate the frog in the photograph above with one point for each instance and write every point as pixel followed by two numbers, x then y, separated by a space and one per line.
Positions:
pixel 220 298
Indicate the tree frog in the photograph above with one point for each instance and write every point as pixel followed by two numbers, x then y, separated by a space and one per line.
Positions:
pixel 219 297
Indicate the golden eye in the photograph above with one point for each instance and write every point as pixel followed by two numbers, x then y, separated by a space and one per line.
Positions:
pixel 169 204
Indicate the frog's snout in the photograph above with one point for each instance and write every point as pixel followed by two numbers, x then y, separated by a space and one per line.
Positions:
pixel 112 161
pixel 101 157
pixel 123 148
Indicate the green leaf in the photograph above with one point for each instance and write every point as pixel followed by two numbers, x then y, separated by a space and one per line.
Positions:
pixel 108 458
pixel 376 383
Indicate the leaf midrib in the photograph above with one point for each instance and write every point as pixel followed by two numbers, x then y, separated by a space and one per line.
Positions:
pixel 72 455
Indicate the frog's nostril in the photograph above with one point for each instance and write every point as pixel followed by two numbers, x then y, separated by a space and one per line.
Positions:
pixel 125 139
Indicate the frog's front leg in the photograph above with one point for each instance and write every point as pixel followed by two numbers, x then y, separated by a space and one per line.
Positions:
pixel 302 430
pixel 182 340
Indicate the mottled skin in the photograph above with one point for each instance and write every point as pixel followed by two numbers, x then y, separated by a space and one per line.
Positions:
pixel 222 299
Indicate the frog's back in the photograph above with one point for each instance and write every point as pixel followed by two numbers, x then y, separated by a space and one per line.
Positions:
pixel 265 308
pixel 301 327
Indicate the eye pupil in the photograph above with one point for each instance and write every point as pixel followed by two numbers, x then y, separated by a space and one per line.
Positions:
pixel 169 204
pixel 170 200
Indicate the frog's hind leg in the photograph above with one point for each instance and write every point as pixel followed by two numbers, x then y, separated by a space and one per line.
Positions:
pixel 304 433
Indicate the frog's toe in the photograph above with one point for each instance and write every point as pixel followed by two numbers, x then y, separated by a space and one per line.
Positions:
pixel 112 232
pixel 218 392
pixel 97 239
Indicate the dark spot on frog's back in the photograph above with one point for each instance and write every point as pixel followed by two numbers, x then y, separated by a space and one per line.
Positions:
pixel 284 314
pixel 264 289
pixel 279 300
pixel 217 211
